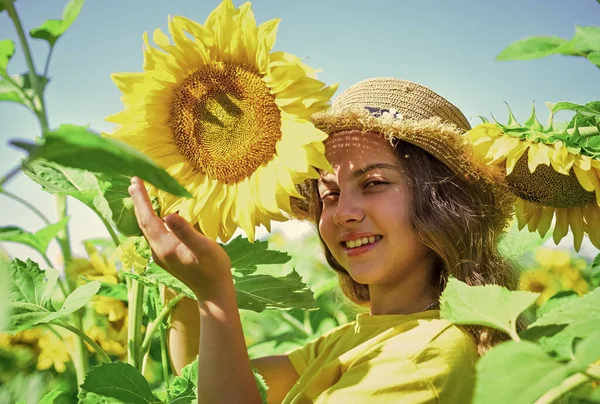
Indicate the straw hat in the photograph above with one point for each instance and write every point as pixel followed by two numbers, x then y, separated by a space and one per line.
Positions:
pixel 404 110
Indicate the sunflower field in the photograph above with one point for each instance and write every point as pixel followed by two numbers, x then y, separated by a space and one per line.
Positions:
pixel 94 328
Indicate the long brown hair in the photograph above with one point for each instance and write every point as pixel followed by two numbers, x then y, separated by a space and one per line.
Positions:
pixel 461 222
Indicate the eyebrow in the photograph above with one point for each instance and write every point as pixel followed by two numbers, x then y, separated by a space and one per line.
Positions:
pixel 362 171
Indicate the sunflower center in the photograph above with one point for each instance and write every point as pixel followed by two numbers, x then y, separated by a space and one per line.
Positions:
pixel 547 187
pixel 225 121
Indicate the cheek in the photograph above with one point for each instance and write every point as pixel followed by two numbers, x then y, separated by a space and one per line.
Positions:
pixel 327 227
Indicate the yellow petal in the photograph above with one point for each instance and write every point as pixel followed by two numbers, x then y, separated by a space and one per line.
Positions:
pixel 561 228
pixel 576 223
pixel 196 30
pixel 561 159
pixel 587 179
pixel 520 213
pixel 538 154
pixel 534 219
pixel 515 155
pixel 501 148
pixel 546 216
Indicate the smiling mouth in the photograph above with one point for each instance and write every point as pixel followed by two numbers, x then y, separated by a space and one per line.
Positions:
pixel 361 242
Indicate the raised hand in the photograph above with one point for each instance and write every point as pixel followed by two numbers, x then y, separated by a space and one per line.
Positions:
pixel 199 262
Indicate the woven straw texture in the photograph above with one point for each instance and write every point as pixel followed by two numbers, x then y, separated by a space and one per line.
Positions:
pixel 427 120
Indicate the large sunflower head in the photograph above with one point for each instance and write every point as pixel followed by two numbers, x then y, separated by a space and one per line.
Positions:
pixel 553 172
pixel 226 117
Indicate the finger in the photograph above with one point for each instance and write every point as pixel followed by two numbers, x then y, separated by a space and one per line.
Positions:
pixel 186 233
pixel 150 224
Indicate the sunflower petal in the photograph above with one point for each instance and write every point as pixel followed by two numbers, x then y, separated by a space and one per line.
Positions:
pixel 538 154
pixel 546 216
pixel 587 178
pixel 576 223
pixel 561 228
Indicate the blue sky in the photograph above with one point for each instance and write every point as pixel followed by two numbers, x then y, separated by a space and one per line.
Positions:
pixel 448 46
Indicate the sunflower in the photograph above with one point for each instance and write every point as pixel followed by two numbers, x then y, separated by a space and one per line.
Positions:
pixel 226 117
pixel 553 173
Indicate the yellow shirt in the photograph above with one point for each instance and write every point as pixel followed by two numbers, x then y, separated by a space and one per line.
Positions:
pixel 414 358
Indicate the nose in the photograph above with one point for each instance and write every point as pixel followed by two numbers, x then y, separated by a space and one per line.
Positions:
pixel 348 210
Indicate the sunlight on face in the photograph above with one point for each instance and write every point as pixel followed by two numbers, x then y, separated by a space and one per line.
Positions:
pixel 366 220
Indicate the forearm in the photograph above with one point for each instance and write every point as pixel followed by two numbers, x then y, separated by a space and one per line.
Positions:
pixel 183 335
pixel 224 371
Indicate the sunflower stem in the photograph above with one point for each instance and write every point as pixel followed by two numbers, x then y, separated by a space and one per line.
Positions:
pixel 101 352
pixel 152 327
pixel 26 204
pixel 134 331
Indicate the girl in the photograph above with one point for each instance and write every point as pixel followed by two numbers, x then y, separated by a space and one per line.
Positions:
pixel 406 207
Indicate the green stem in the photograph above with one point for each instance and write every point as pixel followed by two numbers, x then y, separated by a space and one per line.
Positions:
pixel 35 84
pixel 101 352
pixel 48 61
pixel 14 171
pixel 569 384
pixel 111 231
pixel 134 330
pixel 26 204
pixel 291 320
pixel 157 321
pixel 163 344
pixel 63 235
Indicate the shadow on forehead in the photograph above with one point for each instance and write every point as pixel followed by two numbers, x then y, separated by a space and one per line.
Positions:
pixel 354 140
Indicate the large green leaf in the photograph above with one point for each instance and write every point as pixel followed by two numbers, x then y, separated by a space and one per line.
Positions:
pixel 30 290
pixel 594 57
pixel 50 396
pixel 491 305
pixel 120 381
pixel 51 30
pixel 7 50
pixel 38 240
pixel 79 184
pixel 516 373
pixel 29 284
pixel 260 292
pixel 121 205
pixel 246 256
pixel 532 48
pixel 582 316
pixel 78 147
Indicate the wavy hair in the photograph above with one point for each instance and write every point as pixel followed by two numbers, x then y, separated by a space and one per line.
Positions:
pixel 460 222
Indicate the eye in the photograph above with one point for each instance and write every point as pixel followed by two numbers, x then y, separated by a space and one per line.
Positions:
pixel 374 183
pixel 329 195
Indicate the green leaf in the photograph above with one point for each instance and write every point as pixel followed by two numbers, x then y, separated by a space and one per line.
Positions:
pixel 532 48
pixel 29 284
pixel 7 50
pixel 586 353
pixel 76 300
pixel 4 293
pixel 120 203
pixel 30 290
pixel 246 256
pixel 154 273
pixel 121 381
pixel 569 106
pixel 8 92
pixel 594 57
pixel 60 180
pixel 516 373
pixel 51 30
pixel 491 306
pixel 262 384
pixel 49 397
pixel 38 240
pixel 582 316
pixel 585 40
pixel 85 397
pixel 183 388
pixel 261 292
pixel 113 290
pixel 77 147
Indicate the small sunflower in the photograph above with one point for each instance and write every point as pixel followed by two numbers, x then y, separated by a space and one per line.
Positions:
pixel 553 173
pixel 226 117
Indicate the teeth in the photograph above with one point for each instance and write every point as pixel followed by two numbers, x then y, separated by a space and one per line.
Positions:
pixel 362 241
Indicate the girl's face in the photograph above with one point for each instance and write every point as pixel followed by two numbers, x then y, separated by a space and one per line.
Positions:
pixel 365 218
